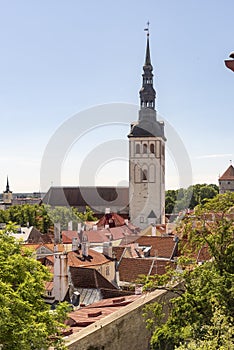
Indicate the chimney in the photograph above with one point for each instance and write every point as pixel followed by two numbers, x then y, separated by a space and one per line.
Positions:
pixel 107 249
pixel 153 230
pixel 57 232
pixel 75 244
pixel 84 245
pixel 126 221
pixel 95 227
pixel 70 226
pixel 106 227
pixel 79 226
pixel 107 211
pixel 60 276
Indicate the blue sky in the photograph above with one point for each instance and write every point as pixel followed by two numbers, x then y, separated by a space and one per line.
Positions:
pixel 61 57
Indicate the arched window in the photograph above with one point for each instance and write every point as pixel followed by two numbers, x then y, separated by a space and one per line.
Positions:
pixel 144 147
pixel 158 149
pixel 152 149
pixel 137 173
pixel 137 148
pixel 144 174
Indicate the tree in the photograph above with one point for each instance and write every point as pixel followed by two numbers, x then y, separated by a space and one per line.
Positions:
pixel 206 304
pixel 26 322
pixel 44 216
pixel 178 200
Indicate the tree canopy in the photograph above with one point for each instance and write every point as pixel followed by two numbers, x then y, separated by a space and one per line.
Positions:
pixel 178 200
pixel 26 321
pixel 44 216
pixel 201 317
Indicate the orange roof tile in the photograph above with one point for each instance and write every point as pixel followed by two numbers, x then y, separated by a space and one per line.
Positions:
pixel 229 174
pixel 75 259
pixel 131 268
pixel 161 246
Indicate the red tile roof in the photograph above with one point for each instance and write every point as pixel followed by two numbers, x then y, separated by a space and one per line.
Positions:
pixel 229 174
pixel 117 219
pixel 131 268
pixel 83 277
pixel 75 259
pixel 161 246
pixel 68 235
pixel 88 315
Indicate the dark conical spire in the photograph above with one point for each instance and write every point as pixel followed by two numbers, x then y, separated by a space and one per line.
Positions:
pixel 147 125
pixel 7 186
pixel 147 55
pixel 147 92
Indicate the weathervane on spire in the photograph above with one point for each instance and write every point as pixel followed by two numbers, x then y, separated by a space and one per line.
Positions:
pixel 147 28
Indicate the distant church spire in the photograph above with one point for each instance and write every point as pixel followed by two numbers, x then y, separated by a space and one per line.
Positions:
pixel 147 92
pixel 7 185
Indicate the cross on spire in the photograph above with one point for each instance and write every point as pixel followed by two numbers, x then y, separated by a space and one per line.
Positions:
pixel 147 28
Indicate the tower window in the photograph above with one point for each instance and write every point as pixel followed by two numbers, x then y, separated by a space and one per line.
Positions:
pixel 137 148
pixel 144 175
pixel 137 174
pixel 152 149
pixel 145 148
pixel 158 149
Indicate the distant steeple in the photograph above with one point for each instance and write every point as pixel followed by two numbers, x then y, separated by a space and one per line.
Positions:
pixel 147 92
pixel 7 195
pixel 7 186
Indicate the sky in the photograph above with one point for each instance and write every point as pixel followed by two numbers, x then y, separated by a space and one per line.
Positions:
pixel 61 58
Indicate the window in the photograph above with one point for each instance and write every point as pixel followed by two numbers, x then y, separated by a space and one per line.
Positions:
pixel 158 149
pixel 137 173
pixel 144 174
pixel 145 148
pixel 152 150
pixel 108 270
pixel 137 148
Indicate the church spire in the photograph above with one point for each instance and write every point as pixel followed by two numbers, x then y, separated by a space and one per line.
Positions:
pixel 147 92
pixel 7 185
pixel 147 55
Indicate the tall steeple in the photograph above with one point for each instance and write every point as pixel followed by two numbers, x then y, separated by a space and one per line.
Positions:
pixel 147 92
pixel 147 156
pixel 7 195
pixel 7 186
pixel 147 124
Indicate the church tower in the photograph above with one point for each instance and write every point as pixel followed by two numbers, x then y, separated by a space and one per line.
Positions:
pixel 7 195
pixel 147 156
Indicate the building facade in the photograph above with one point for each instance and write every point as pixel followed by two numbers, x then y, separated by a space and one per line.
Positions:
pixel 226 181
pixel 147 157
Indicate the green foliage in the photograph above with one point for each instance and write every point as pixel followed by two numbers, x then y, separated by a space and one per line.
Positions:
pixel 178 200
pixel 202 316
pixel 26 322
pixel 23 215
pixel 43 216
pixel 88 215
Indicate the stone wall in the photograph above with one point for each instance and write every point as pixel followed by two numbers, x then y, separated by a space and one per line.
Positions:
pixel 124 329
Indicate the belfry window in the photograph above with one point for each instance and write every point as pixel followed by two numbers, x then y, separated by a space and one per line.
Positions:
pixel 145 148
pixel 137 148
pixel 152 148
pixel 144 175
